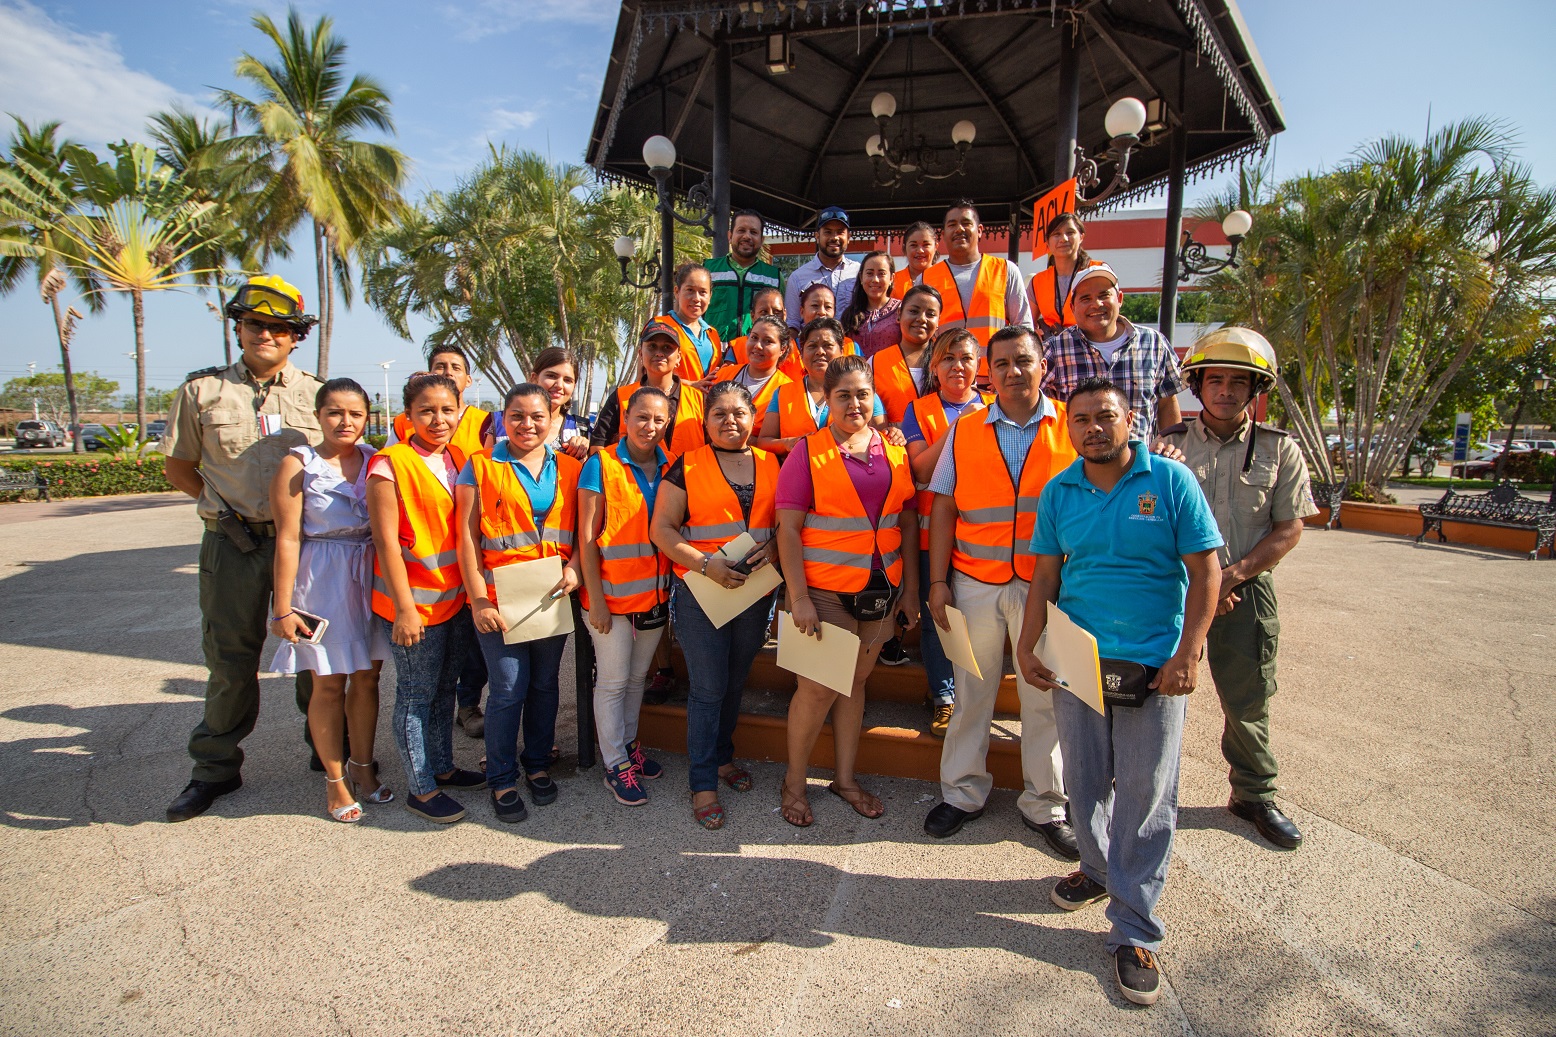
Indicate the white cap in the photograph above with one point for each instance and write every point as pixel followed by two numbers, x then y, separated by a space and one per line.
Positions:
pixel 1099 270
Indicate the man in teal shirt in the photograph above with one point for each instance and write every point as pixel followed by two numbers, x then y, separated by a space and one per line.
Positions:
pixel 738 276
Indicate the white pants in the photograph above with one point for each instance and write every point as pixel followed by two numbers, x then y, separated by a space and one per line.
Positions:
pixel 621 662
pixel 994 613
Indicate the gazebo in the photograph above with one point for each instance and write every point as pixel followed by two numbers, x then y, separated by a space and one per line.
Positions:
pixel 772 104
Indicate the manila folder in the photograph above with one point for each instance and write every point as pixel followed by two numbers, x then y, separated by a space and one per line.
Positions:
pixel 524 600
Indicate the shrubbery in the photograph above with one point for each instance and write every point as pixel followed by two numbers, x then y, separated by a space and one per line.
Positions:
pixel 1530 467
pixel 91 477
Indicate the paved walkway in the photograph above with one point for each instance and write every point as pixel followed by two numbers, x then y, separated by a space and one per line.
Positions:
pixel 1414 727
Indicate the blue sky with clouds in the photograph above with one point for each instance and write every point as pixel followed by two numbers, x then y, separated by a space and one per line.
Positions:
pixel 527 72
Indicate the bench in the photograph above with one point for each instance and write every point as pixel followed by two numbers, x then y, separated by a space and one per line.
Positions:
pixel 1328 495
pixel 1501 506
pixel 20 481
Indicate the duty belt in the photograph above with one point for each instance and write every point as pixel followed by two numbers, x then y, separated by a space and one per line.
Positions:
pixel 261 529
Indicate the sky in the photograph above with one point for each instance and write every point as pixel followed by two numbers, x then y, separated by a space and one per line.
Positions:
pixel 471 74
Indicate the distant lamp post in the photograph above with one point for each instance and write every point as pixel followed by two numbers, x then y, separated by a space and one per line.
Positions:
pixel 659 157
pixel 627 247
pixel 1124 121
pixel 385 365
pixel 1193 257
pixel 908 156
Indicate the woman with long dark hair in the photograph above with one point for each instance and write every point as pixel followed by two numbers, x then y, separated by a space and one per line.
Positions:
pixel 871 315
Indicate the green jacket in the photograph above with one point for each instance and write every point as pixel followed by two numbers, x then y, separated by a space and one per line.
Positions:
pixel 729 311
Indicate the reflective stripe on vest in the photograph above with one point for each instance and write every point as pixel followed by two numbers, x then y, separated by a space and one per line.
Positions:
pixel 985 313
pixel 428 542
pixel 713 514
pixel 633 574
pixel 994 519
pixel 933 423
pixel 838 541
pixel 508 530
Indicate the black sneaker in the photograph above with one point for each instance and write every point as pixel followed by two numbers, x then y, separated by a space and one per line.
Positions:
pixel 1139 977
pixel 509 806
pixel 893 653
pixel 1076 890
pixel 660 685
pixel 542 789
pixel 462 779
pixel 440 809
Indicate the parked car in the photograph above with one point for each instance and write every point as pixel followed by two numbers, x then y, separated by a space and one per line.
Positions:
pixel 1487 469
pixel 1484 451
pixel 32 433
pixel 155 430
pixel 89 437
pixel 1547 445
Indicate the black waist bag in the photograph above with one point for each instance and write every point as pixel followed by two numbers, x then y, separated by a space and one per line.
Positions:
pixel 1126 683
pixel 874 602
pixel 653 619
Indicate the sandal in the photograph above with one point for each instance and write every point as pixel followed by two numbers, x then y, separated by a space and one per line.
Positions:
pixel 864 804
pixel 738 779
pixel 349 814
pixel 795 807
pixel 710 817
pixel 383 793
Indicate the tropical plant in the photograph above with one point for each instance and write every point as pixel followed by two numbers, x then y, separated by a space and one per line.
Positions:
pixel 91 392
pixel 302 143
pixel 26 245
pixel 1377 282
pixel 122 441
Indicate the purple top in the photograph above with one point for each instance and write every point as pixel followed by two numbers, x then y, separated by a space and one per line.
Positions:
pixel 871 479
pixel 879 329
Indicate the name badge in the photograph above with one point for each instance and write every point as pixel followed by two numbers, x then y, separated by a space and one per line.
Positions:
pixel 269 424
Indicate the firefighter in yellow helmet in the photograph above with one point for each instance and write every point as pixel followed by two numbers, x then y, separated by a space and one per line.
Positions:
pixel 227 430
pixel 1257 485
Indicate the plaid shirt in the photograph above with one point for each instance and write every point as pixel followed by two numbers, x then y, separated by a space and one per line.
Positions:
pixel 1145 367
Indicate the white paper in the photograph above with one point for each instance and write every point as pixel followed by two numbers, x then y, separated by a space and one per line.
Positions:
pixel 722 604
pixel 524 600
pixel 1071 653
pixel 955 642
pixel 829 661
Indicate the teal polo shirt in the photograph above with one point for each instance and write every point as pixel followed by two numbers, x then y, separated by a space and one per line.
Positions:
pixel 1123 578
pixel 540 490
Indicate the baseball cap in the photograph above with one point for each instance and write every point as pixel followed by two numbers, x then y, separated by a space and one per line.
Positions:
pixel 1100 270
pixel 656 329
pixel 830 213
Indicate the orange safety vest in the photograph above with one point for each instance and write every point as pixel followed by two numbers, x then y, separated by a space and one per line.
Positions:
pixel 686 432
pixel 428 542
pixel 995 520
pixel 764 396
pixel 467 434
pixel 634 575
pixel 985 314
pixel 794 411
pixel 1043 283
pixel 893 382
pixel 713 515
pixel 691 368
pixel 932 422
pixel 789 366
pixel 901 281
pixel 508 530
pixel 838 539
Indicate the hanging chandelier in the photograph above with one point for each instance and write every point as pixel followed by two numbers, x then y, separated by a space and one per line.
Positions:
pixel 908 156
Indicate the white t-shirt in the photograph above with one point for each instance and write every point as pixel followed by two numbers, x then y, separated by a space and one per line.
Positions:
pixel 1111 346
pixel 1017 309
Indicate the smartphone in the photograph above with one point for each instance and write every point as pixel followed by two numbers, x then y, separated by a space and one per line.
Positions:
pixel 749 562
pixel 315 626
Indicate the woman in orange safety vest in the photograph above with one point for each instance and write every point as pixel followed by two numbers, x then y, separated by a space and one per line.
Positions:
pixel 900 371
pixel 475 430
pixel 1049 289
pixel 418 593
pixel 800 408
pixel 709 498
pixel 699 342
pixel 918 250
pixel 626 585
pixel 761 372
pixel 657 352
pixel 518 503
pixel 768 302
pixel 848 542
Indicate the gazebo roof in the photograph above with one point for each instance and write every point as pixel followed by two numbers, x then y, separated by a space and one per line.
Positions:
pixel 797 139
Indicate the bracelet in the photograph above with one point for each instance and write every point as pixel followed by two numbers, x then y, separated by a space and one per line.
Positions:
pixel 933 582
pixel 705 560
pixel 799 597
pixel 277 619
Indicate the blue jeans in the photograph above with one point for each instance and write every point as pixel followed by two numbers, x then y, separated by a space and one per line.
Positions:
pixel 425 675
pixel 718 661
pixel 524 686
pixel 942 682
pixel 1121 773
pixel 472 676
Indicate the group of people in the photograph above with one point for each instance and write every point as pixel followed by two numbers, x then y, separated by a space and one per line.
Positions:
pixel 855 425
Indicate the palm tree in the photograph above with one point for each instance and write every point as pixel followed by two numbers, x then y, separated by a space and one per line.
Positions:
pixel 30 244
pixel 130 226
pixel 304 120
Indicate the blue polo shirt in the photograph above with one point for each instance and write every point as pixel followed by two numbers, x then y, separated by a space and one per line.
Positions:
pixel 591 478
pixel 1123 578
pixel 541 491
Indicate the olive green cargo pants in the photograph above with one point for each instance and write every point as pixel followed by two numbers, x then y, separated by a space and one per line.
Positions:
pixel 1242 647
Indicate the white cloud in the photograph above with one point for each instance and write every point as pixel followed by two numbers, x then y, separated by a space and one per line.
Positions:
pixel 49 71
pixel 502 119
pixel 495 17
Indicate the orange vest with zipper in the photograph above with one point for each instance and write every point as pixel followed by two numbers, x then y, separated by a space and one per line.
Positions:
pixel 893 382
pixel 838 540
pixel 509 532
pixel 466 441
pixel 686 434
pixel 713 515
pixel 634 575
pixel 932 422
pixel 995 520
pixel 690 367
pixel 428 542
pixel 985 313
pixel 1043 296
pixel 762 397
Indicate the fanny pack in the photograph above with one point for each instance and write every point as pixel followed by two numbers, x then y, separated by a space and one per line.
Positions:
pixel 1126 683
pixel 874 602
pixel 653 619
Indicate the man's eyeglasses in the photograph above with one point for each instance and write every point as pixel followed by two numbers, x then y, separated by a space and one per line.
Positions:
pixel 265 327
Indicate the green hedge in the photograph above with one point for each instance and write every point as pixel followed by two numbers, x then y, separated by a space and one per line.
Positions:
pixel 95 477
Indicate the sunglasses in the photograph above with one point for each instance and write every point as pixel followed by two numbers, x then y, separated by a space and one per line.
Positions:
pixel 261 327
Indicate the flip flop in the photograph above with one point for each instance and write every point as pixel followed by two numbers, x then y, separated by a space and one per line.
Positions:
pixel 787 804
pixel 860 800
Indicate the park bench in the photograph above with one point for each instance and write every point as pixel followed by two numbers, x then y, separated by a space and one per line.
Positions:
pixel 19 482
pixel 1328 495
pixel 1502 506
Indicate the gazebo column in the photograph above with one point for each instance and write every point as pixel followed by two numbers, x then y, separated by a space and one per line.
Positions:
pixel 1068 106
pixel 722 72
pixel 1167 319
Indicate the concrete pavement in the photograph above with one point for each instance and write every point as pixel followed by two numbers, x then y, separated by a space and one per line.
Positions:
pixel 1413 725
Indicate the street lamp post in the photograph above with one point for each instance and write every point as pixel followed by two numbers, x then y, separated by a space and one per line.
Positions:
pixel 385 365
pixel 1124 121
pixel 30 369
pixel 1194 258
pixel 659 156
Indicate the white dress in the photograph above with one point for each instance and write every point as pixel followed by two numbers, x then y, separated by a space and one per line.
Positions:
pixel 334 572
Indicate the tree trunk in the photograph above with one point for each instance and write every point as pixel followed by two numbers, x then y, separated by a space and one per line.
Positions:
pixel 70 377
pixel 140 364
pixel 321 259
pixel 561 309
pixel 221 298
pixel 1512 434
